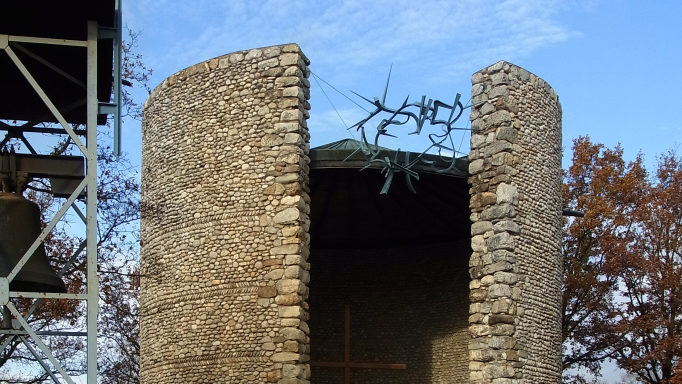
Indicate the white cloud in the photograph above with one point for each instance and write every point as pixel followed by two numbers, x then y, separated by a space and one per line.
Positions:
pixel 353 36
pixel 434 43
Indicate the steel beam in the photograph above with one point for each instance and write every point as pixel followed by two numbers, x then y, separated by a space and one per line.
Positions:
pixel 45 99
pixel 40 344
pixel 91 206
pixel 69 168
pixel 39 359
pixel 42 40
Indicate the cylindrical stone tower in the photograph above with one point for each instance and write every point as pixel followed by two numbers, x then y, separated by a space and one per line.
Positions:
pixel 516 269
pixel 224 229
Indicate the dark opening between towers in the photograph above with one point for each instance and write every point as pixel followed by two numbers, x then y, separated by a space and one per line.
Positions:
pixel 400 261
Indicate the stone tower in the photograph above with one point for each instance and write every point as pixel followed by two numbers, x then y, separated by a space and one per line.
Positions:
pixel 515 268
pixel 225 232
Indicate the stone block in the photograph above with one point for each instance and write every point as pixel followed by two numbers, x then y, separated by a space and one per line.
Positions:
pixel 499 78
pixel 506 277
pixel 293 138
pixel 236 57
pixel 271 262
pixel 268 63
pixel 287 179
pixel 293 334
pixel 478 125
pixel 482 199
pixel 499 290
pixel 477 330
pixel 296 260
pixel 502 329
pixel 288 249
pixel 477 89
pixel 497 119
pixel 487 108
pixel 253 54
pixel 482 355
pixel 274 189
pixel 502 306
pixel 476 166
pixel 287 286
pixel 507 194
pixel 293 370
pixel 290 299
pixel 290 311
pixel 501 240
pixel 294 272
pixel 498 212
pixel 496 67
pixel 289 215
pixel 497 371
pixel 497 147
pixel 285 356
pixel 503 255
pixel 478 244
pixel 476 141
pixel 500 318
pixel 507 226
pixel 288 59
pixel 275 274
pixel 478 295
pixel 507 133
pixel 291 114
pixel 481 227
pixel 500 90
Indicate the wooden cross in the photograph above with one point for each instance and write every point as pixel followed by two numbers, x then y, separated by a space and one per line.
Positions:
pixel 346 364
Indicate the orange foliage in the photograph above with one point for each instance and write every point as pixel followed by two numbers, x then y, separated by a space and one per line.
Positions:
pixel 623 264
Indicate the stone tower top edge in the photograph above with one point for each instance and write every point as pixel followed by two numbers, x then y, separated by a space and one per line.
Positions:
pixel 214 62
pixel 516 71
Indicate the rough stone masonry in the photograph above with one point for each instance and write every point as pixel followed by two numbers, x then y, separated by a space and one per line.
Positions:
pixel 224 234
pixel 515 267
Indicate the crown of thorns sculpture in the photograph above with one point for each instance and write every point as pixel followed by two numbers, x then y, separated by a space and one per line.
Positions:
pixel 425 111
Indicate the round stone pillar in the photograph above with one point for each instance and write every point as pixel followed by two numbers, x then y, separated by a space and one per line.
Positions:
pixel 224 237
pixel 516 268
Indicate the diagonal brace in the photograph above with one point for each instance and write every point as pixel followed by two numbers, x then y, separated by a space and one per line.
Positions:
pixel 47 101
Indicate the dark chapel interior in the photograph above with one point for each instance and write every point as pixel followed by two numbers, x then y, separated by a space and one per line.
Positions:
pixel 395 265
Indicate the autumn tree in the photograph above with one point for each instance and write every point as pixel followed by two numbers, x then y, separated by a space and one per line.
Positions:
pixel 650 272
pixel 622 291
pixel 608 190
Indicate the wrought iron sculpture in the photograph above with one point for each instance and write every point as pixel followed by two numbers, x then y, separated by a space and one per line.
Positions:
pixel 425 111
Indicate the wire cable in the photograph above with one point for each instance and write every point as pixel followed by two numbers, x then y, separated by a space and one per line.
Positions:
pixel 342 94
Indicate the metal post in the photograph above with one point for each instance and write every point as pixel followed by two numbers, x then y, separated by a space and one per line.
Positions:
pixel 91 207
pixel 117 79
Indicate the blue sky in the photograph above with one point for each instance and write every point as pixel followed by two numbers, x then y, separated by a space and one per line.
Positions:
pixel 616 65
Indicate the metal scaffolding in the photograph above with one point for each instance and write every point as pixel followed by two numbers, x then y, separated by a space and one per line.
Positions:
pixel 87 187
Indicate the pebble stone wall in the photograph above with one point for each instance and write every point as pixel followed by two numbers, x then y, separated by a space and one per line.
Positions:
pixel 224 236
pixel 409 305
pixel 515 267
pixel 224 233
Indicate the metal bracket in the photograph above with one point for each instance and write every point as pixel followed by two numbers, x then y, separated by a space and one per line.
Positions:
pixel 107 33
pixel 107 108
pixel 4 41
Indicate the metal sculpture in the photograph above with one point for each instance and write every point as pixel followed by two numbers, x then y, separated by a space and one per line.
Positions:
pixel 425 111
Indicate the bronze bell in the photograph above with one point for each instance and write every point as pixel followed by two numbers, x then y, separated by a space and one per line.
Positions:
pixel 19 227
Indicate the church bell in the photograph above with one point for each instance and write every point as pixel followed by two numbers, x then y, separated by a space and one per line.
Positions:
pixel 19 227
